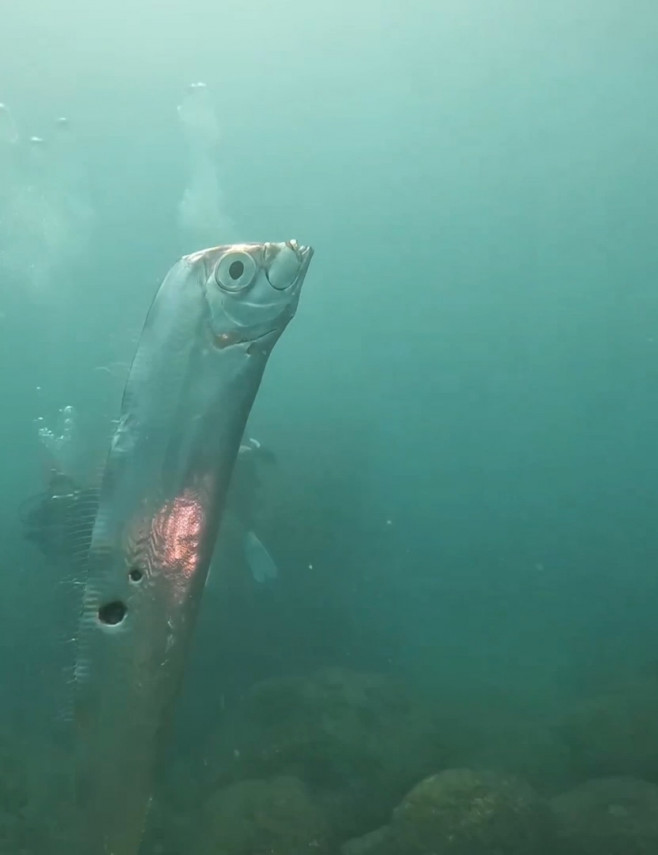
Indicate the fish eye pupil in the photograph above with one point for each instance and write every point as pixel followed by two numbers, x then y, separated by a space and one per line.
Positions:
pixel 236 270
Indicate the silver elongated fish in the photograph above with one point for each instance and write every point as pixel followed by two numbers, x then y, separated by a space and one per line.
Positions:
pixel 198 366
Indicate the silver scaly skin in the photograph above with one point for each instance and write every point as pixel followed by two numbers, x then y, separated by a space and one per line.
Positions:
pixel 198 366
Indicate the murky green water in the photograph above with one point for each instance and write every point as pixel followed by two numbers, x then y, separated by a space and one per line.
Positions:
pixel 462 505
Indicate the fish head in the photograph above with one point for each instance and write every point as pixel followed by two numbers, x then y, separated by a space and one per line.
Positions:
pixel 252 290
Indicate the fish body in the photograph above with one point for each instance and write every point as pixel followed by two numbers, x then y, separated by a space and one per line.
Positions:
pixel 59 520
pixel 198 366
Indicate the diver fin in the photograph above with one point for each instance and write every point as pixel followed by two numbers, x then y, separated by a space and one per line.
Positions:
pixel 261 564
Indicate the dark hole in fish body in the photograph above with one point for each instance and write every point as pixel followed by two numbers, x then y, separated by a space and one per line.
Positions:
pixel 135 575
pixel 236 270
pixel 112 613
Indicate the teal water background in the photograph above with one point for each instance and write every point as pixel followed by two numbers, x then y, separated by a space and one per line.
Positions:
pixel 463 410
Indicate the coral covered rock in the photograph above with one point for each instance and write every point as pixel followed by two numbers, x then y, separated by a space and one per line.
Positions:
pixel 464 812
pixel 276 817
pixel 377 842
pixel 360 740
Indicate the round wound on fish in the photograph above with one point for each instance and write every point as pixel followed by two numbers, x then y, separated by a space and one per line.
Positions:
pixel 112 613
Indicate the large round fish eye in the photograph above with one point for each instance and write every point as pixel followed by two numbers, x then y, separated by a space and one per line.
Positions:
pixel 235 271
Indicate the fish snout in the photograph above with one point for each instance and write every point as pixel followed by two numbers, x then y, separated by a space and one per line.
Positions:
pixel 288 264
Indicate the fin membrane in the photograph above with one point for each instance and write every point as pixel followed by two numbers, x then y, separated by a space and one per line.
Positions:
pixel 261 564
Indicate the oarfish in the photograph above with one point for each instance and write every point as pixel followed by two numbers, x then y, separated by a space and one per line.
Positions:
pixel 198 366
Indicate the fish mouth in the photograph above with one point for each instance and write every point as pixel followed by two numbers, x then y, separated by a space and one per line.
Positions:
pixel 304 255
pixel 224 340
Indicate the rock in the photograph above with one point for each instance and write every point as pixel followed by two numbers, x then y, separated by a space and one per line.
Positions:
pixel 276 817
pixel 615 733
pixel 465 812
pixel 608 816
pixel 376 842
pixel 360 740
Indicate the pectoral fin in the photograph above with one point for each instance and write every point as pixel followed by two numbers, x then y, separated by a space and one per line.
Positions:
pixel 261 564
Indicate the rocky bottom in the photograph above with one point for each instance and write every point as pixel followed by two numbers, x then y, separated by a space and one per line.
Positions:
pixel 346 763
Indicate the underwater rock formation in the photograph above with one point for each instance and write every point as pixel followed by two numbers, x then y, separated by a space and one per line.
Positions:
pixel 359 740
pixel 377 842
pixel 467 812
pixel 609 816
pixel 615 733
pixel 464 812
pixel 276 817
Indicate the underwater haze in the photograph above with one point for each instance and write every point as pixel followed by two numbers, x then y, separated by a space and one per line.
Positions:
pixel 460 509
